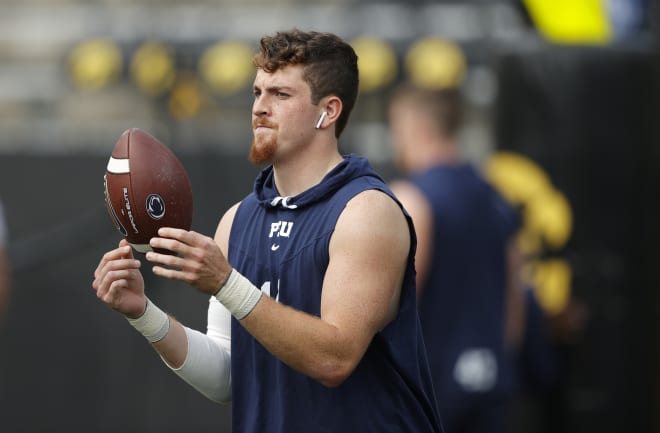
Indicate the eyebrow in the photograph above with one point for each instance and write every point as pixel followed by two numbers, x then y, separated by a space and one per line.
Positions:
pixel 274 89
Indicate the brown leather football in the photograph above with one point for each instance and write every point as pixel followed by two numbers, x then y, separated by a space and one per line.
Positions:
pixel 146 187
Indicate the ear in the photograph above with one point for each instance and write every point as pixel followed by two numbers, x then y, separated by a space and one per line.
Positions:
pixel 333 106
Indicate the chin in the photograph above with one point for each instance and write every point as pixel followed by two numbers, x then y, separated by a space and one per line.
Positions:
pixel 262 151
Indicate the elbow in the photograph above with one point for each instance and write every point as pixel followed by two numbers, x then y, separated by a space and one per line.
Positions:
pixel 333 374
pixel 332 367
pixel 332 380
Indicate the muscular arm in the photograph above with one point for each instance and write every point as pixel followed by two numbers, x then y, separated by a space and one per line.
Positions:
pixel 360 294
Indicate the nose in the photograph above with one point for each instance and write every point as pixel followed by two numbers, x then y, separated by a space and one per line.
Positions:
pixel 260 107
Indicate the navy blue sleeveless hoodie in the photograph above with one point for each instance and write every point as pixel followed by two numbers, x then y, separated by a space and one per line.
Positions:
pixel 281 245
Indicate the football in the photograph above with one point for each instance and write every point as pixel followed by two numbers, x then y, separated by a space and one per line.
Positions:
pixel 146 188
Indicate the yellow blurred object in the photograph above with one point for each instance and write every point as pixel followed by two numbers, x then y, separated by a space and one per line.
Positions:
pixel 435 63
pixel 377 63
pixel 571 21
pixel 227 67
pixel 152 68
pixel 547 223
pixel 552 284
pixel 549 214
pixel 185 98
pixel 95 64
pixel 517 178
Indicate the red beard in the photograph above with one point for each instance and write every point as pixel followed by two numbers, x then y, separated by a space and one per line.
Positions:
pixel 263 148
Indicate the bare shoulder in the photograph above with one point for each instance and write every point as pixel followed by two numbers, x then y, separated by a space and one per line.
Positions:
pixel 374 214
pixel 224 228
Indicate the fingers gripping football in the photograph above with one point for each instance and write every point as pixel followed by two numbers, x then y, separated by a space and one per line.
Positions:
pixel 199 260
pixel 118 281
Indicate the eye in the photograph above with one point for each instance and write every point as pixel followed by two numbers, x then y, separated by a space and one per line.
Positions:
pixel 282 95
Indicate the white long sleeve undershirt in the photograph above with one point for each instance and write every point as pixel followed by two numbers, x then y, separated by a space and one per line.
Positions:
pixel 207 366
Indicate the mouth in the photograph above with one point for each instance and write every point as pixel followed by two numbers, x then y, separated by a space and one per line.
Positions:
pixel 260 124
pixel 261 131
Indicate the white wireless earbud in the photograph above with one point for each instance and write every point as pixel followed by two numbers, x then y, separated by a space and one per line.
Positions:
pixel 318 124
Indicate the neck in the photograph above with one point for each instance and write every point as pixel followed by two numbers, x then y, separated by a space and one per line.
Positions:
pixel 304 170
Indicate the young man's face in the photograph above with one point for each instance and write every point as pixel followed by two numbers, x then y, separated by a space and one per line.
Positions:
pixel 283 116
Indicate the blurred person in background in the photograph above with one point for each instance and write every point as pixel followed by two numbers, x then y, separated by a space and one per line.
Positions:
pixel 325 332
pixel 4 266
pixel 470 295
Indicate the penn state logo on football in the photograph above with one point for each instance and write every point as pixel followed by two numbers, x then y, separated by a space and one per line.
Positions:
pixel 155 206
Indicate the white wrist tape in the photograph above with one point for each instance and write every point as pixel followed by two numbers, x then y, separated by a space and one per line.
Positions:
pixel 238 295
pixel 154 324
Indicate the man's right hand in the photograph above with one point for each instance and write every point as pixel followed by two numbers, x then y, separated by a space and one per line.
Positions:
pixel 119 283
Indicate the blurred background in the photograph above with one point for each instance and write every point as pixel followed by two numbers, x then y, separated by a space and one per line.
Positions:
pixel 562 99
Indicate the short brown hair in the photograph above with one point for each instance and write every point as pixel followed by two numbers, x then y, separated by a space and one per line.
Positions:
pixel 330 65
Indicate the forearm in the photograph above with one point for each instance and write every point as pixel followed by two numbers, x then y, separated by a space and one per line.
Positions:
pixel 203 361
pixel 304 342
pixel 173 348
pixel 206 367
pixel 166 335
